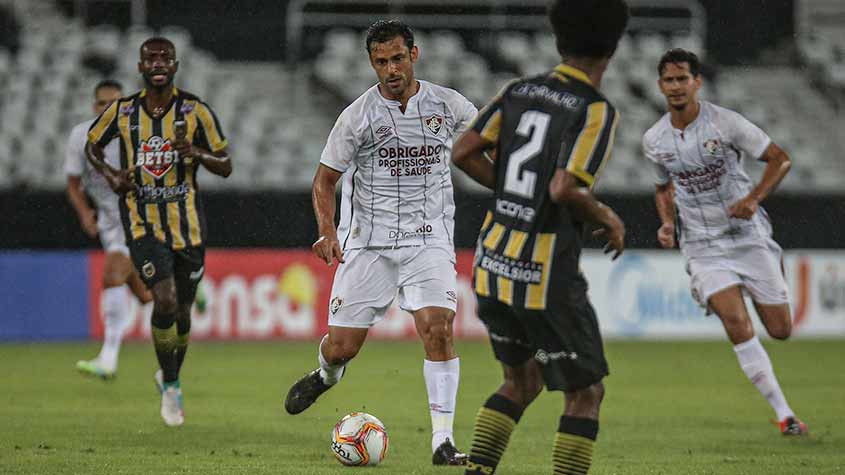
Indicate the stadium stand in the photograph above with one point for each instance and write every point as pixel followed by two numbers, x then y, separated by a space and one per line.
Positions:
pixel 277 116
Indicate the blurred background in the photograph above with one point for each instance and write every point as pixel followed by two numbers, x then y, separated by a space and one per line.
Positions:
pixel 279 72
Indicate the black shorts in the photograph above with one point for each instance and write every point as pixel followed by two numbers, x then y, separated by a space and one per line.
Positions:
pixel 156 261
pixel 564 339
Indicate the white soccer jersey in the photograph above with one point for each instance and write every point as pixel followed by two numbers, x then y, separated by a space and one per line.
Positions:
pixel 397 187
pixel 704 162
pixel 77 164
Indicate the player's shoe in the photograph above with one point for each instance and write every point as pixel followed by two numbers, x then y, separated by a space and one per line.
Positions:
pixel 447 454
pixel 159 380
pixel 94 368
pixel 305 391
pixel 793 426
pixel 171 405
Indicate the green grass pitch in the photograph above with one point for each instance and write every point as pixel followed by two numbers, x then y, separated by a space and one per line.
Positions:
pixel 671 408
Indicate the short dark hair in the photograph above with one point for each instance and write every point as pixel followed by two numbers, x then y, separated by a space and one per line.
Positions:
pixel 385 30
pixel 157 39
pixel 108 83
pixel 677 56
pixel 588 28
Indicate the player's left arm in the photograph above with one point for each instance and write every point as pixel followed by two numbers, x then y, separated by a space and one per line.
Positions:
pixel 210 147
pixel 475 150
pixel 778 164
pixel 753 141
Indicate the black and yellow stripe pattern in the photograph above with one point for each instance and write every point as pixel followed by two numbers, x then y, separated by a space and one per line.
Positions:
pixel 572 454
pixel 494 424
pixel 591 149
pixel 165 203
pixel 532 253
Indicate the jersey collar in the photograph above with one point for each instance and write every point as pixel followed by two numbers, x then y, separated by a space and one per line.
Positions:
pixel 574 73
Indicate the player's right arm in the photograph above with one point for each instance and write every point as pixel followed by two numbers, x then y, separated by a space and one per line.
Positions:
pixel 576 173
pixel 664 197
pixel 341 148
pixel 74 167
pixel 327 247
pixel 103 131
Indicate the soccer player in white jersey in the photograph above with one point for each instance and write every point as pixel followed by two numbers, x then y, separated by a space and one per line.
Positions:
pixel 392 147
pixel 118 271
pixel 697 150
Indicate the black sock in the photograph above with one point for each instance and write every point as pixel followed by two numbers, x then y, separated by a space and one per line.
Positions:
pixel 164 340
pixel 183 331
pixel 573 448
pixel 493 426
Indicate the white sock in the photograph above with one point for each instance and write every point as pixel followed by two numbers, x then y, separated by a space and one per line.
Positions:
pixel 757 366
pixel 441 381
pixel 115 320
pixel 329 373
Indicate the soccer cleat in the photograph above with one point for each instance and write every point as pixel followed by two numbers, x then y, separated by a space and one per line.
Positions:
pixel 793 426
pixel 171 405
pixel 159 380
pixel 447 454
pixel 94 368
pixel 305 391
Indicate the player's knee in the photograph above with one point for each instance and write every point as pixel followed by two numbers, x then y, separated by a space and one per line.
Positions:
pixel 586 401
pixel 165 302
pixel 780 331
pixel 340 352
pixel 523 388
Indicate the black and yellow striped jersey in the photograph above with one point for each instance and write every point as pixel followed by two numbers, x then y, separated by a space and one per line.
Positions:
pixel 165 202
pixel 528 244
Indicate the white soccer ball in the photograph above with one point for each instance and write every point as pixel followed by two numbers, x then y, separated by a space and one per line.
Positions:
pixel 359 439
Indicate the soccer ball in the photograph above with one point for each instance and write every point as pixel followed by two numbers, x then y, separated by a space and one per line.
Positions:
pixel 359 439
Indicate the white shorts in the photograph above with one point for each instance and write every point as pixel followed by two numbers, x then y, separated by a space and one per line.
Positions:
pixel 758 268
pixel 110 230
pixel 366 284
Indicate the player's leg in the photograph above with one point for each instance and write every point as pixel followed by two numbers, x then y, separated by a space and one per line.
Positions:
pixel 116 311
pixel 572 360
pixel 363 289
pixel 189 267
pixel 753 358
pixel 762 270
pixel 155 263
pixel 138 287
pixel 427 285
pixel 523 381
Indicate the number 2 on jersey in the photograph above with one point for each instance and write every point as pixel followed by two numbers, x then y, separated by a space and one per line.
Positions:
pixel 534 125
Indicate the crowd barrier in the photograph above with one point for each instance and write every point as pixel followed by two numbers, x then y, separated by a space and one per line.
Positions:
pixel 284 294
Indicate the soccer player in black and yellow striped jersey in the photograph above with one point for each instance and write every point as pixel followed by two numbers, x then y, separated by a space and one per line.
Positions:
pixel 165 134
pixel 550 135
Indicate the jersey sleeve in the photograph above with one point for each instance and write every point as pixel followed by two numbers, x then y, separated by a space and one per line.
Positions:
pixel 75 152
pixel 342 144
pixel 104 129
pixel 745 135
pixel 488 122
pixel 659 172
pixel 210 134
pixel 466 114
pixel 593 142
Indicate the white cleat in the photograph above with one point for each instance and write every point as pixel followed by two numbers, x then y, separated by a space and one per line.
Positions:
pixel 171 406
pixel 159 380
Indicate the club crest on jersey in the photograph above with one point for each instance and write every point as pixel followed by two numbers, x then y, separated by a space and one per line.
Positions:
pixel 187 107
pixel 127 109
pixel 712 146
pixel 156 156
pixel 433 123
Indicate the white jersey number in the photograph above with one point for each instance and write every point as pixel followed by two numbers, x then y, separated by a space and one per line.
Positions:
pixel 521 182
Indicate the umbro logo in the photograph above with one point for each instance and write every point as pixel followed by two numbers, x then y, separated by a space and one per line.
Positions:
pixel 384 130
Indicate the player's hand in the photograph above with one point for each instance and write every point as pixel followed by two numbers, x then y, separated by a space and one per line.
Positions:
pixel 327 249
pixel 666 235
pixel 744 208
pixel 88 219
pixel 185 148
pixel 120 181
pixel 614 231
